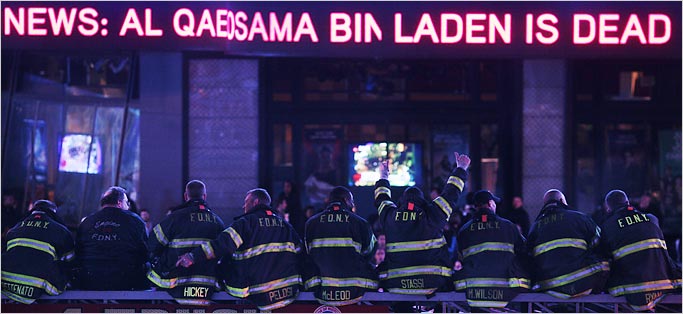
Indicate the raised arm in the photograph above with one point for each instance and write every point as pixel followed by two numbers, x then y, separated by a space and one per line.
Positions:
pixel 382 191
pixel 454 185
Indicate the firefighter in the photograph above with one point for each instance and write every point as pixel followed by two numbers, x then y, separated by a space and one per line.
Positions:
pixel 341 246
pixel 493 256
pixel 562 244
pixel 180 232
pixel 111 246
pixel 264 252
pixel 641 268
pixel 417 259
pixel 39 251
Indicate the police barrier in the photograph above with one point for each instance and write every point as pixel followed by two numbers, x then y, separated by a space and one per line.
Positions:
pixel 377 302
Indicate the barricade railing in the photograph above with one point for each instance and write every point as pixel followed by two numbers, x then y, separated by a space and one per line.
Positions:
pixel 449 301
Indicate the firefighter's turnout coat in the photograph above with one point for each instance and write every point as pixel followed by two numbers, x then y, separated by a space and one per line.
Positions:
pixel 562 244
pixel 340 246
pixel 641 268
pixel 261 255
pixel 417 259
pixel 494 263
pixel 39 251
pixel 180 232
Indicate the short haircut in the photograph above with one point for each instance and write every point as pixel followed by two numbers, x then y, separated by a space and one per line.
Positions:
pixel 45 205
pixel 616 199
pixel 113 195
pixel 195 189
pixel 554 195
pixel 342 195
pixel 262 195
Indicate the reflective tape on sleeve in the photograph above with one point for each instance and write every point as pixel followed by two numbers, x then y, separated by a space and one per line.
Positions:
pixel 456 181
pixel 443 204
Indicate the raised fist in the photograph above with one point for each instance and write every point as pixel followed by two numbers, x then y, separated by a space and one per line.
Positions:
pixel 462 161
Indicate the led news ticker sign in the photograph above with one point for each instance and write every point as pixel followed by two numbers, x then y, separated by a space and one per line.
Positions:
pixel 352 29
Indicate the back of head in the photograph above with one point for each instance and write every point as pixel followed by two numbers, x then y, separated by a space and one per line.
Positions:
pixel 616 199
pixel 342 195
pixel 412 194
pixel 112 196
pixel 45 206
pixel 482 197
pixel 261 195
pixel 554 196
pixel 195 189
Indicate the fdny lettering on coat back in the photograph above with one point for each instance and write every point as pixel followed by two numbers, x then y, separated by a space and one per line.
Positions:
pixel 476 226
pixel 35 224
pixel 406 216
pixel 202 217
pixel 550 219
pixel 105 231
pixel 633 219
pixel 334 218
pixel 270 222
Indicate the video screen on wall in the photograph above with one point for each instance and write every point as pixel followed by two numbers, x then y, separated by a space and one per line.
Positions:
pixel 74 154
pixel 365 159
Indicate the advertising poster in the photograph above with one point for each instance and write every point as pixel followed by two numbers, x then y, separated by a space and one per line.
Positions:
pixel 445 141
pixel 322 166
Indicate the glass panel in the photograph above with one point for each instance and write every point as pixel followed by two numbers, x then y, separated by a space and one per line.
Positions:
pixel 322 165
pixel 489 158
pixel 627 158
pixel 446 140
pixel 488 78
pixel 282 145
pixel 438 81
pixel 586 189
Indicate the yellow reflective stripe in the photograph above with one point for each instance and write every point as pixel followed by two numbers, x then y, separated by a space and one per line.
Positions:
pixel 187 242
pixel 33 244
pixel 274 247
pixel 384 204
pixel 415 245
pixel 18 298
pixel 340 303
pixel 477 303
pixel 638 246
pixel 382 190
pixel 572 277
pixel 30 281
pixel 415 270
pixel 411 291
pixel 485 282
pixel 208 250
pixel 456 181
pixel 159 233
pixel 334 242
pixel 235 236
pixel 443 204
pixel 560 243
pixel 237 292
pixel 488 246
pixel 312 282
pixel 349 282
pixel 276 305
pixel 373 241
pixel 642 287
pixel 567 296
pixel 275 284
pixel 185 280
pixel 69 256
pixel 193 301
